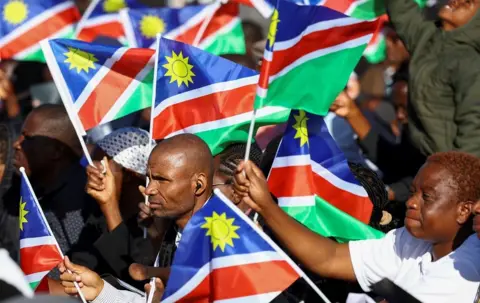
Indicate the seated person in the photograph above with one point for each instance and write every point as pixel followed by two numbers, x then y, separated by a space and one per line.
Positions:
pixel 434 258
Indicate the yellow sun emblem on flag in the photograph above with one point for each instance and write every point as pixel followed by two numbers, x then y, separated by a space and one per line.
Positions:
pixel 15 12
pixel 272 30
pixel 179 69
pixel 221 230
pixel 80 60
pixel 301 127
pixel 23 214
pixel 150 26
pixel 112 6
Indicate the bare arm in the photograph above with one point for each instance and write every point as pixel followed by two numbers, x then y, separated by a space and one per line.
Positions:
pixel 319 254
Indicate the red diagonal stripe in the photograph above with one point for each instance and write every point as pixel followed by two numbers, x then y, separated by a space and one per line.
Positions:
pixel 41 31
pixel 223 16
pixel 243 280
pixel 203 109
pixel 339 5
pixel 291 181
pixel 320 40
pixel 39 258
pixel 356 206
pixel 112 29
pixel 112 86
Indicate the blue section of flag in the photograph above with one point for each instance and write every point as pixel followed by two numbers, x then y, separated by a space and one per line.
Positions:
pixel 34 8
pixel 171 17
pixel 196 249
pixel 35 226
pixel 77 80
pixel 294 19
pixel 208 69
pixel 321 146
pixel 103 6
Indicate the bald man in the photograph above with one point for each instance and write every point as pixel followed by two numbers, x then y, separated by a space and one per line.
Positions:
pixel 49 151
pixel 181 176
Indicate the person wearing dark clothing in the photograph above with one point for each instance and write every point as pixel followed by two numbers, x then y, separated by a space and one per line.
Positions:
pixel 444 86
pixel 49 151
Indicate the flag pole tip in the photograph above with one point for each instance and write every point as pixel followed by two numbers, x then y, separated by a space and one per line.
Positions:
pixel 22 169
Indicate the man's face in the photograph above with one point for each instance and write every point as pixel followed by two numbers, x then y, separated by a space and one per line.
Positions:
pixel 171 189
pixel 458 13
pixel 432 209
pixel 34 147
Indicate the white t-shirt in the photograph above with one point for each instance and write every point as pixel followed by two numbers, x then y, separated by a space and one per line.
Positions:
pixel 407 262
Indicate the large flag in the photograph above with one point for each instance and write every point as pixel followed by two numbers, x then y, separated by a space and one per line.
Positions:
pixel 264 7
pixel 223 35
pixel 223 257
pixel 101 18
pixel 310 54
pixel 39 250
pixel 313 182
pixel 100 83
pixel 197 92
pixel 24 23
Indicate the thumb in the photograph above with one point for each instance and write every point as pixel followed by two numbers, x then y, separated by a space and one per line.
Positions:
pixel 240 166
pixel 106 166
pixel 73 267
pixel 141 188
pixel 250 171
pixel 256 170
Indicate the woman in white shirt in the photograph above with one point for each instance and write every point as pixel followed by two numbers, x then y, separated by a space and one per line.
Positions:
pixel 434 257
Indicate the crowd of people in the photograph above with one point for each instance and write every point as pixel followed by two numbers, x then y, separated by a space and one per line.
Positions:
pixel 409 127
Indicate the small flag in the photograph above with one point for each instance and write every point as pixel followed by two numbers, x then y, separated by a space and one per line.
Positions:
pixel 39 250
pixel 197 92
pixel 24 23
pixel 223 35
pixel 310 54
pixel 100 83
pixel 264 7
pixel 313 183
pixel 223 256
pixel 101 18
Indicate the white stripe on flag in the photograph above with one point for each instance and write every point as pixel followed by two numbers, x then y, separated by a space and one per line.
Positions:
pixel 267 55
pixel 125 96
pixel 36 277
pixel 222 262
pixel 35 21
pixel 304 201
pixel 60 34
pixel 322 52
pixel 86 15
pixel 336 181
pixel 32 242
pixel 320 26
pixel 128 27
pixel 203 91
pixel 266 297
pixel 229 121
pixel 299 160
pixel 92 84
pixel 101 20
pixel 207 41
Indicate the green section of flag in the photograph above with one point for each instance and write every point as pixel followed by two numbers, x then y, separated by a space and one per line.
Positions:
pixel 140 99
pixel 37 54
pixel 313 85
pixel 230 42
pixel 374 8
pixel 34 285
pixel 378 52
pixel 220 138
pixel 328 221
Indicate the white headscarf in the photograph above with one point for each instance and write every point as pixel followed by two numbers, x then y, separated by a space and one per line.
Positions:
pixel 128 147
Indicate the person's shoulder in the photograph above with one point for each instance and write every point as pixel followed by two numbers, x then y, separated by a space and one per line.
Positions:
pixel 406 245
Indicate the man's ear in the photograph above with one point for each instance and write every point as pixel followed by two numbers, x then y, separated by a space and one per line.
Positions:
pixel 200 184
pixel 464 211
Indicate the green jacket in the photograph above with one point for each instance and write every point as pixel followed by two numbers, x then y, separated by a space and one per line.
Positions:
pixel 444 82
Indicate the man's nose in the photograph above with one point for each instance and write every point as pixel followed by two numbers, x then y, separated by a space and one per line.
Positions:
pixel 18 143
pixel 476 208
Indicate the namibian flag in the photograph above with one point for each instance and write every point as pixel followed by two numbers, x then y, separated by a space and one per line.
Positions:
pixel 100 83
pixel 24 23
pixel 39 250
pixel 197 92
pixel 223 35
pixel 222 257
pixel 313 183
pixel 264 7
pixel 102 19
pixel 310 54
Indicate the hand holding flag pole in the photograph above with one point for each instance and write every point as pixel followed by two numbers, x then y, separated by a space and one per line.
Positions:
pixel 27 181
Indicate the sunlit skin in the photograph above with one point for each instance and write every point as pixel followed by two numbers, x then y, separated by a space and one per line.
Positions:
pixel 457 13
